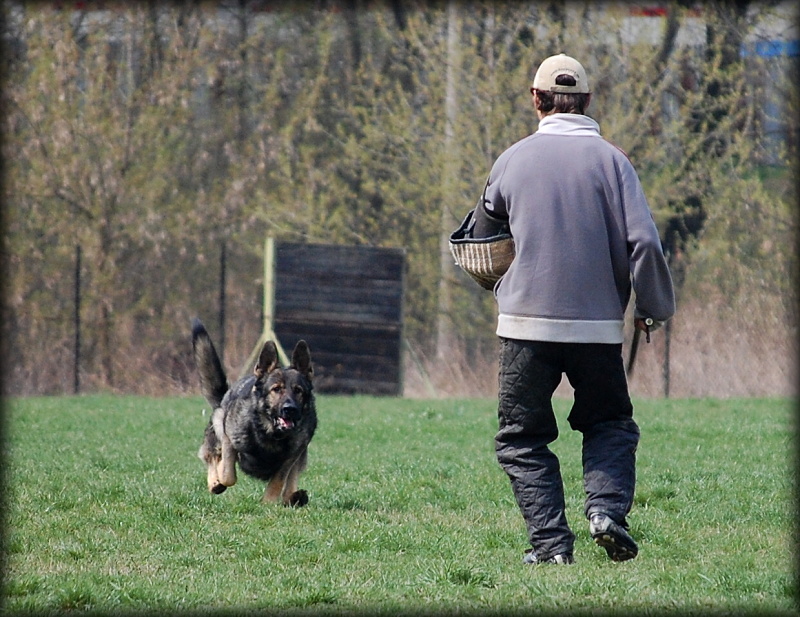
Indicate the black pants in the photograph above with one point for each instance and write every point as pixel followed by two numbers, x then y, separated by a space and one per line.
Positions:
pixel 530 371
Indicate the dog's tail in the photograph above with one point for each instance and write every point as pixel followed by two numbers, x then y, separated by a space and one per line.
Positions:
pixel 213 382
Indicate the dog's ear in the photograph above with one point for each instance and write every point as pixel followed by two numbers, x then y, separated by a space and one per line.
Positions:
pixel 301 359
pixel 267 361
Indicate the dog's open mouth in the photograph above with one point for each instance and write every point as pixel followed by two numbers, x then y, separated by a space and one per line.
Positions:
pixel 284 424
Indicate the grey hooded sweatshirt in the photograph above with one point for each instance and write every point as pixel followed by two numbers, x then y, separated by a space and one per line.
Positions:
pixel 584 236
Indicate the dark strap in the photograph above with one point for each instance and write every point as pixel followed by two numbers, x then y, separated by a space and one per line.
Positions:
pixel 486 225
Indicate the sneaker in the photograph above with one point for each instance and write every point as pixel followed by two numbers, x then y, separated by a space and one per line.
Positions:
pixel 611 536
pixel 562 558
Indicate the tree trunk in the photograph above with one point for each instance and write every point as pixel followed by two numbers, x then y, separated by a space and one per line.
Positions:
pixel 444 326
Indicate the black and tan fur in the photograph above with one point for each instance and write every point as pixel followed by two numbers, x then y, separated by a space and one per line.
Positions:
pixel 264 422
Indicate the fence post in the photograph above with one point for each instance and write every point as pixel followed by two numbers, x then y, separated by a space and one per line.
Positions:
pixel 269 298
pixel 267 310
pixel 667 337
pixel 76 384
pixel 222 264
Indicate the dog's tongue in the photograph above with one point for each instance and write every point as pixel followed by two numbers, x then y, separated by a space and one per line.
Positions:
pixel 284 423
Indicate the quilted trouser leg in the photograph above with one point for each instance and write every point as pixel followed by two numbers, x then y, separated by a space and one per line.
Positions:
pixel 603 413
pixel 529 374
pixel 609 468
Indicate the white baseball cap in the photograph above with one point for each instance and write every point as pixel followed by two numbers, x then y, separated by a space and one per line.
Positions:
pixel 561 64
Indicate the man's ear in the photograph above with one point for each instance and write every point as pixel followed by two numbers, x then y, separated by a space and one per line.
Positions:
pixel 535 102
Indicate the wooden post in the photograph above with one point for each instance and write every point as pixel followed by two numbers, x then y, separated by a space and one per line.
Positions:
pixel 76 386
pixel 222 265
pixel 667 339
pixel 269 286
pixel 268 328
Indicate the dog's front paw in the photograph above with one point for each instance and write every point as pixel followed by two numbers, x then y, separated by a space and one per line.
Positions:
pixel 298 499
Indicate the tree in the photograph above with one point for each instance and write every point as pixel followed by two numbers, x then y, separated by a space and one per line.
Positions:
pixel 90 125
pixel 152 134
pixel 444 328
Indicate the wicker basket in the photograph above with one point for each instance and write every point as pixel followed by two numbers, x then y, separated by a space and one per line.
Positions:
pixel 486 260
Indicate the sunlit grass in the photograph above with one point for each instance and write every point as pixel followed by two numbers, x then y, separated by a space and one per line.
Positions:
pixel 107 510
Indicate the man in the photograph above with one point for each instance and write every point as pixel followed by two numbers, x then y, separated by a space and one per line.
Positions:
pixel 584 237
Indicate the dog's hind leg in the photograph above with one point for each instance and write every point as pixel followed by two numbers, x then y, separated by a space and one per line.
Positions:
pixel 215 486
pixel 274 487
pixel 291 495
pixel 209 453
pixel 227 464
pixel 284 483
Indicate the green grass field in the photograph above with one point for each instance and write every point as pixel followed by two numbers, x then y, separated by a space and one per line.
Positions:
pixel 106 510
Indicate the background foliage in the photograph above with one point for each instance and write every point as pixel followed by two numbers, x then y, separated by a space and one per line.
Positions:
pixel 153 135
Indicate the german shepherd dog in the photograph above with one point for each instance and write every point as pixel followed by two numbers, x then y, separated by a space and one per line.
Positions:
pixel 264 421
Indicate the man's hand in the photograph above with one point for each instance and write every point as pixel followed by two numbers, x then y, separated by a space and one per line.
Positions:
pixel 647 325
pixel 640 324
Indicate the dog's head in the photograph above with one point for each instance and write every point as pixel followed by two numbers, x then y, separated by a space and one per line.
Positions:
pixel 288 391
